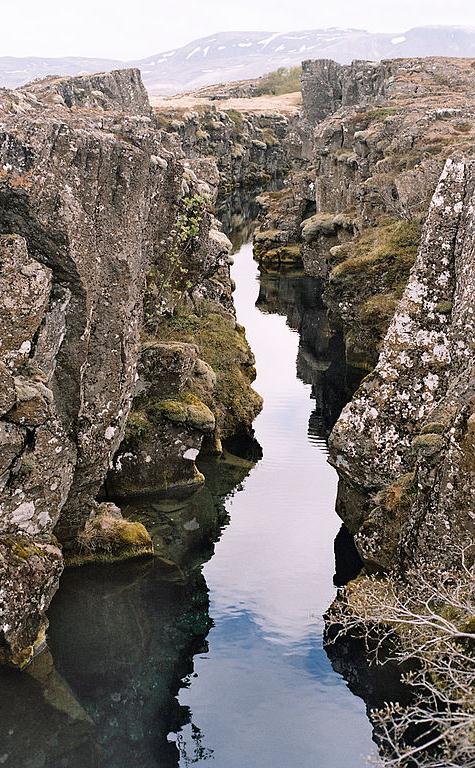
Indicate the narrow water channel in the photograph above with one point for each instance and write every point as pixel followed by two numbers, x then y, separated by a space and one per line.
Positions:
pixel 213 654
pixel 264 695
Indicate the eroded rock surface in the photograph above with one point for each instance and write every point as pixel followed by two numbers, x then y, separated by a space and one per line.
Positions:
pixel 407 436
pixel 105 232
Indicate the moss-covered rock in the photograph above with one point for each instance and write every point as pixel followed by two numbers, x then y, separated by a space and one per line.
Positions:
pixel 185 409
pixel 108 537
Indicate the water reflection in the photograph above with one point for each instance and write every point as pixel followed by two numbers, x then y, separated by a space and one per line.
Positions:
pixel 123 640
pixel 164 663
pixel 265 693
pixel 321 354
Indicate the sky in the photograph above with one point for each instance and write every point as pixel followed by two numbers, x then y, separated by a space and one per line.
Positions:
pixel 131 29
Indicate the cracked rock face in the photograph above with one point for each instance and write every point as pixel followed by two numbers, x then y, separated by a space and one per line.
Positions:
pixel 81 191
pixel 408 431
pixel 90 190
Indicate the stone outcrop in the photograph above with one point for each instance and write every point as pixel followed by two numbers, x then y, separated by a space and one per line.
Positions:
pixel 406 439
pixel 381 135
pixel 106 234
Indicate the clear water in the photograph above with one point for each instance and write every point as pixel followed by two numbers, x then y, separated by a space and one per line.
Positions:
pixel 213 653
pixel 264 694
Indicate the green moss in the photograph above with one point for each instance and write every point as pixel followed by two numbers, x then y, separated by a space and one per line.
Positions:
pixel 223 346
pixel 378 310
pixel 444 307
pixel 137 426
pixel 390 245
pixel 379 113
pixel 269 138
pixel 428 443
pixel 107 539
pixel 23 548
pixel 236 117
pixel 434 428
pixel 186 409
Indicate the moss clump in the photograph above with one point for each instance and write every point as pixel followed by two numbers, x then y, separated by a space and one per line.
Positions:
pixel 378 310
pixel 444 307
pixel 236 117
pixel 378 114
pixel 428 444
pixel 186 409
pixel 137 426
pixel 107 538
pixel 434 428
pixel 223 346
pixel 23 548
pixel 391 246
pixel 269 138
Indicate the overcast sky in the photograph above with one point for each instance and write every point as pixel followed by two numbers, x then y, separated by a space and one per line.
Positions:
pixel 128 29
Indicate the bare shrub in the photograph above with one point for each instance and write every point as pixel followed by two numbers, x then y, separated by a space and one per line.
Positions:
pixel 425 623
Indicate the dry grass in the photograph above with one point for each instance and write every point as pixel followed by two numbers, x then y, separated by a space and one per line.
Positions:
pixel 107 537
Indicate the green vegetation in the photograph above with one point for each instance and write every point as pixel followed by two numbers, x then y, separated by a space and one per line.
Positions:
pixel 368 275
pixel 283 80
pixel 363 118
pixel 236 117
pixel 184 408
pixel 182 240
pixel 137 426
pixel 108 538
pixel 391 246
pixel 223 346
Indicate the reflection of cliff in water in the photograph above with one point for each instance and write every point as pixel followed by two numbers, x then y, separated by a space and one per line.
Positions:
pixel 321 363
pixel 238 217
pixel 123 640
pixel 321 359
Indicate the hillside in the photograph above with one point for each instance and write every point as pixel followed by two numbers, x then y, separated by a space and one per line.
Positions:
pixel 229 56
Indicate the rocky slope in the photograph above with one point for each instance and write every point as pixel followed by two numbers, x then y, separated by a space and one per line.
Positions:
pixel 115 296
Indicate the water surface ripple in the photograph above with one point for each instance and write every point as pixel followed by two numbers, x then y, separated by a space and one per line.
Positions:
pixel 264 695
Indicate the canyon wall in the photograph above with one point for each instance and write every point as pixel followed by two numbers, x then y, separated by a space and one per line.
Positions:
pixel 116 303
pixel 121 358
pixel 392 237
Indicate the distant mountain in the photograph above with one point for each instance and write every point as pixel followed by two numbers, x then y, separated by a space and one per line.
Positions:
pixel 15 71
pixel 229 56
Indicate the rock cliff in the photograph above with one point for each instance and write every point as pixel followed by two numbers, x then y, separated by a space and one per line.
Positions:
pixel 391 235
pixel 381 133
pixel 406 439
pixel 108 247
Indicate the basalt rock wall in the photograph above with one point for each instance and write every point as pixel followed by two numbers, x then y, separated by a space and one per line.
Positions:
pixel 106 235
pixel 392 236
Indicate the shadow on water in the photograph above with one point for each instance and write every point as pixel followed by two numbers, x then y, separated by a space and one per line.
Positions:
pixel 214 651
pixel 123 639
